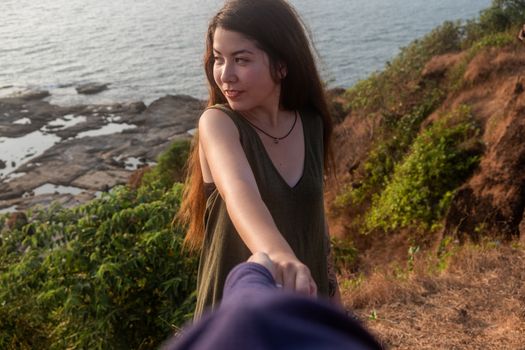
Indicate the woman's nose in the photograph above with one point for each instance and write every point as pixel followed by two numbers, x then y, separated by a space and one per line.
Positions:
pixel 228 73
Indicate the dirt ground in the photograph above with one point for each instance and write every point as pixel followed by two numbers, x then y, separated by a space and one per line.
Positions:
pixel 472 297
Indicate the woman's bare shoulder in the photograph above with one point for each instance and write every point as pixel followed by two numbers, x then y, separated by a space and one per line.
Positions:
pixel 215 122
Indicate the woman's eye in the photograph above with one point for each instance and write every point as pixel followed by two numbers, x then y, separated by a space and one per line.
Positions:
pixel 241 60
pixel 217 59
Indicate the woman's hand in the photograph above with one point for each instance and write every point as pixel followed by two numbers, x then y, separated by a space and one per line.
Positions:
pixel 264 260
pixel 292 274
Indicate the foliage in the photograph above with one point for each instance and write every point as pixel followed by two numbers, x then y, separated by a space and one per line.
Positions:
pixel 170 166
pixel 456 73
pixel 403 104
pixel 444 253
pixel 110 274
pixel 403 99
pixel 398 135
pixel 393 88
pixel 422 184
pixel 385 90
pixel 500 17
pixel 492 40
pixel 344 254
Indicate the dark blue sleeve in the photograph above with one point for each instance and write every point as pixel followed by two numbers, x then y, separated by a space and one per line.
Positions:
pixel 247 281
pixel 256 315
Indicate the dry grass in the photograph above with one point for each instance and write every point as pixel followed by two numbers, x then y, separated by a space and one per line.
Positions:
pixel 477 301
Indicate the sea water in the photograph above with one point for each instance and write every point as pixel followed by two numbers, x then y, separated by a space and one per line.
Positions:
pixel 147 49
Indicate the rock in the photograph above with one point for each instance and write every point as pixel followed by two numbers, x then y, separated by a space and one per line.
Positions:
pixel 33 95
pixel 101 180
pixel 137 107
pixel 91 88
pixel 12 194
pixel 518 89
pixel 91 163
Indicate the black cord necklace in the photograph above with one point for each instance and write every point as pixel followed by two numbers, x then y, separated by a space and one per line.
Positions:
pixel 275 139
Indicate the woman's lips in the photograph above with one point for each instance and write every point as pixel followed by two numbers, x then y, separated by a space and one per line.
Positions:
pixel 232 94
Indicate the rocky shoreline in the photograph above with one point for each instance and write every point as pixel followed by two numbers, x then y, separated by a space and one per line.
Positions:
pixel 88 148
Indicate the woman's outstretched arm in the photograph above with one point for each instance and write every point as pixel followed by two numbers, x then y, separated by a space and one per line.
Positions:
pixel 234 179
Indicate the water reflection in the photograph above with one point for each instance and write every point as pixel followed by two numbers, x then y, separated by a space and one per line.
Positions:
pixel 17 150
pixel 111 128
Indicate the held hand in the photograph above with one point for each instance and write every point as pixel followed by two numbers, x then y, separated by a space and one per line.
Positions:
pixel 264 260
pixel 293 275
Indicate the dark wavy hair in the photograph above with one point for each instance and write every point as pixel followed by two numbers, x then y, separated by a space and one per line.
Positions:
pixel 277 29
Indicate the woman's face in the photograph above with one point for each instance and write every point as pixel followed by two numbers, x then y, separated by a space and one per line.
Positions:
pixel 242 71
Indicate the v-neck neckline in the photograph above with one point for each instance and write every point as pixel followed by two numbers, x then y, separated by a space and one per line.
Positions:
pixel 267 155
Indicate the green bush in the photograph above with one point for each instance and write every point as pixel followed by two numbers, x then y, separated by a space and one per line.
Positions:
pixel 398 134
pixel 404 100
pixel 456 74
pixel 106 275
pixel 110 274
pixel 386 90
pixel 422 184
pixel 344 254
pixel 170 166
pixel 492 40
pixel 501 16
pixel 394 88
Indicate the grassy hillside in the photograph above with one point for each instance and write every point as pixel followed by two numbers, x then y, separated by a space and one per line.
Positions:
pixel 429 198
pixel 407 143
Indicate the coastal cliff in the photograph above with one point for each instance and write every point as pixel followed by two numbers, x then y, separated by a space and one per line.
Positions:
pixel 428 203
pixel 483 82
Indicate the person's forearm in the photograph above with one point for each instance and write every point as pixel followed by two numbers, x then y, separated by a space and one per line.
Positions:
pixel 257 229
pixel 254 223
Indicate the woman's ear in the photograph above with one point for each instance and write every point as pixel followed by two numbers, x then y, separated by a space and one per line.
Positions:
pixel 282 70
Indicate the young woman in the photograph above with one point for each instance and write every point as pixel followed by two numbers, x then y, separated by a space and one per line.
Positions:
pixel 255 181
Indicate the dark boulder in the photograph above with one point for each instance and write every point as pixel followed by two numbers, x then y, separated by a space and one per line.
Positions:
pixel 33 95
pixel 91 88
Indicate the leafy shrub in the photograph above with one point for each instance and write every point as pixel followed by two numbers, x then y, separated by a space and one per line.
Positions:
pixel 501 16
pixel 404 101
pixel 344 254
pixel 456 74
pixel 398 135
pixel 386 91
pixel 493 40
pixel 170 166
pixel 422 184
pixel 106 275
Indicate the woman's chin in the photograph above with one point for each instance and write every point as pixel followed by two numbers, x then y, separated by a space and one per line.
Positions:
pixel 237 106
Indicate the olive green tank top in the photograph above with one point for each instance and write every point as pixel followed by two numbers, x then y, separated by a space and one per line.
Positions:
pixel 297 211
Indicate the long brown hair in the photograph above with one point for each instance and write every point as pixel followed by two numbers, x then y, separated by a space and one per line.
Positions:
pixel 278 30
